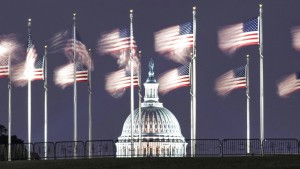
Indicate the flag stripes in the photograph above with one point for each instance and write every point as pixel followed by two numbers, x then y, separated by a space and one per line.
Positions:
pixel 231 80
pixel 4 72
pixel 174 78
pixel 117 82
pixel 289 85
pixel 64 75
pixel 115 41
pixel 175 42
pixel 238 35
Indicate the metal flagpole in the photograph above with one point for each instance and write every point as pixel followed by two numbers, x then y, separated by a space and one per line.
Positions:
pixel 131 80
pixel 262 134
pixel 90 107
pixel 248 104
pixel 45 104
pixel 9 108
pixel 193 87
pixel 140 102
pixel 29 101
pixel 29 118
pixel 75 84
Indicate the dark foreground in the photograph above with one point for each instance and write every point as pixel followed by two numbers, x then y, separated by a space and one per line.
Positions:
pixel 280 162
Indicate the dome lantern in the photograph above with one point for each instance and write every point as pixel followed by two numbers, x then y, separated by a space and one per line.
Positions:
pixel 151 86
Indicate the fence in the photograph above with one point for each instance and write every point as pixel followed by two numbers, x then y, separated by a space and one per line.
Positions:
pixel 69 149
pixel 280 146
pixel 3 152
pixel 45 150
pixel 20 151
pixel 205 147
pixel 107 148
pixel 100 148
pixel 241 147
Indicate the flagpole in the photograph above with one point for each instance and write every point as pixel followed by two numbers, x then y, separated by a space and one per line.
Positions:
pixel 29 102
pixel 131 79
pixel 248 104
pixel 193 87
pixel 140 102
pixel 262 134
pixel 45 104
pixel 90 106
pixel 9 108
pixel 75 84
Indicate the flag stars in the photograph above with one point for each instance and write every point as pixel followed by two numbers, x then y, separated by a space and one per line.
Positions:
pixel 186 28
pixel 251 25
pixel 240 72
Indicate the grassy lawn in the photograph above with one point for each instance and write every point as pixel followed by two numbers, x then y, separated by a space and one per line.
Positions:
pixel 277 162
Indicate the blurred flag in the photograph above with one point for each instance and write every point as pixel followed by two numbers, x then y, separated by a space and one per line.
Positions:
pixel 174 79
pixel 9 49
pixel 29 67
pixel 33 68
pixel 117 82
pixel 38 72
pixel 289 85
pixel 296 38
pixel 26 70
pixel 231 80
pixel 239 35
pixel 63 42
pixel 175 42
pixel 64 75
pixel 82 54
pixel 117 44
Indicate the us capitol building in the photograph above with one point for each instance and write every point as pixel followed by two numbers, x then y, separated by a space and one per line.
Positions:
pixel 161 133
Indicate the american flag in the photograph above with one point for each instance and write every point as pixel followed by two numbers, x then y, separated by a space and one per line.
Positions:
pixel 175 42
pixel 64 42
pixel 64 75
pixel 32 68
pixel 8 48
pixel 38 72
pixel 25 70
pixel 117 82
pixel 115 41
pixel 174 79
pixel 239 35
pixel 289 85
pixel 117 44
pixel 231 80
pixel 30 71
pixel 34 63
pixel 296 38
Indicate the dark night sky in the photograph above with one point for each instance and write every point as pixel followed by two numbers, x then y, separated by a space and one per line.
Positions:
pixel 216 117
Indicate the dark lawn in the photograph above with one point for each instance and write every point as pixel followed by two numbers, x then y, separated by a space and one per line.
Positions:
pixel 279 162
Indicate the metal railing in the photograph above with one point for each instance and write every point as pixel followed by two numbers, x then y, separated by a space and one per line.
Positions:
pixel 45 150
pixel 280 146
pixel 3 152
pixel 100 148
pixel 69 149
pixel 107 148
pixel 205 147
pixel 20 151
pixel 241 147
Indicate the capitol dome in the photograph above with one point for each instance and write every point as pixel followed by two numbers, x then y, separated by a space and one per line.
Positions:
pixel 157 122
pixel 161 134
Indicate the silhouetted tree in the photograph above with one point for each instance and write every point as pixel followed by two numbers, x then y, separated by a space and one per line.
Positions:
pixel 3 130
pixel 4 137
